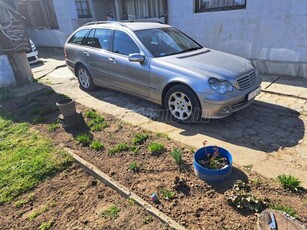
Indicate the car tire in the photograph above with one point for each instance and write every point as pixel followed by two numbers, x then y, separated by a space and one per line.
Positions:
pixel 85 79
pixel 183 104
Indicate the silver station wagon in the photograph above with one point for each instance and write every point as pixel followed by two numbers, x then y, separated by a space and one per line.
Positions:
pixel 159 63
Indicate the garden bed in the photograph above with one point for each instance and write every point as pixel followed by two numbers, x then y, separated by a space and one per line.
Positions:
pixel 126 153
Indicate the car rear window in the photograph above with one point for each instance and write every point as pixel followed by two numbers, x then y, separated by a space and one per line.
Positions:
pixel 78 37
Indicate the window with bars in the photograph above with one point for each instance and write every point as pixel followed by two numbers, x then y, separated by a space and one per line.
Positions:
pixel 83 9
pixel 217 5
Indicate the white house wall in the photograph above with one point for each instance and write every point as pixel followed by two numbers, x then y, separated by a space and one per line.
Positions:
pixel 270 32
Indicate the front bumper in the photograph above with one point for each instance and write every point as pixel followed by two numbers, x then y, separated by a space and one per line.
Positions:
pixel 219 106
pixel 32 57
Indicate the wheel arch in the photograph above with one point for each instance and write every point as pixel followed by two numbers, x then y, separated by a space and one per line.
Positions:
pixel 172 84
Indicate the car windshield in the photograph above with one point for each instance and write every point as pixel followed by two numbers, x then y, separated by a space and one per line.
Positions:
pixel 162 42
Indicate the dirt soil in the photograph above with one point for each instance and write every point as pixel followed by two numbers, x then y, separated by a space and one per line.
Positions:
pixel 197 205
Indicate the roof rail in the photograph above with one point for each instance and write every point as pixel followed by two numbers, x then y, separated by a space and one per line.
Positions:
pixel 103 22
pixel 143 20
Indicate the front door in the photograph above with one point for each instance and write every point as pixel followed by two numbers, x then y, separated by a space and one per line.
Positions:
pixel 132 77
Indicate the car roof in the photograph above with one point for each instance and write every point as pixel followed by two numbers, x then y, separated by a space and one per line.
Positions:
pixel 132 25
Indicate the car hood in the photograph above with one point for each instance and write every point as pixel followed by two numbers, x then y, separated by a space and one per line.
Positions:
pixel 211 63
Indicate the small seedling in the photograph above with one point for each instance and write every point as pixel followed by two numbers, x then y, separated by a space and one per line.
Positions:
pixel 90 113
pixel 111 212
pixel 46 225
pixel 121 147
pixel 84 139
pixel 248 167
pixel 38 212
pixel 177 156
pixel 289 182
pixel 53 126
pixel 97 123
pixel 148 219
pixel 134 167
pixel 134 149
pixel 20 203
pixel 287 209
pixel 131 201
pixel 97 145
pixel 139 138
pixel 168 195
pixel 38 119
pixel 156 148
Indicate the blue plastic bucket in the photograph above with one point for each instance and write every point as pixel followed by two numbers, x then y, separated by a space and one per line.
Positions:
pixel 212 175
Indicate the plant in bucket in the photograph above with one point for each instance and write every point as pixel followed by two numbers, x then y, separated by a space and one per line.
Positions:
pixel 212 163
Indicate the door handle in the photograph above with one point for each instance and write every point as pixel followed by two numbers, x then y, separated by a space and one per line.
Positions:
pixel 86 53
pixel 112 60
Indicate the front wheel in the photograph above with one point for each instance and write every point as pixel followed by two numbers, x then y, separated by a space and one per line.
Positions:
pixel 183 104
pixel 85 79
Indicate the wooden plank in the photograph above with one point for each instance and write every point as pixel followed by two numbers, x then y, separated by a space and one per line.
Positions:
pixel 122 190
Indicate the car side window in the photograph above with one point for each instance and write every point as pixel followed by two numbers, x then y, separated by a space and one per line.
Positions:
pixel 123 44
pixel 88 41
pixel 78 37
pixel 102 38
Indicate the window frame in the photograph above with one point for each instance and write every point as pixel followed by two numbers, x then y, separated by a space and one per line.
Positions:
pixel 198 9
pixel 89 15
pixel 113 39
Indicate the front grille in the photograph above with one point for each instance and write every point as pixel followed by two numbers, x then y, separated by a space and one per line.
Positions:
pixel 246 81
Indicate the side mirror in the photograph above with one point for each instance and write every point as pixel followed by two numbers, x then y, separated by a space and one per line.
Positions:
pixel 136 58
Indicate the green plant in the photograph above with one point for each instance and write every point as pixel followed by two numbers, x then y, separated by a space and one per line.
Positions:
pixel 84 139
pixel 90 113
pixel 148 219
pixel 131 201
pixel 139 138
pixel 248 167
pixel 289 182
pixel 156 148
pixel 135 149
pixel 241 197
pixel 20 203
pixel 121 147
pixel 97 145
pixel 38 119
pixel 111 212
pixel 97 123
pixel 53 126
pixel 213 160
pixel 134 167
pixel 177 156
pixel 46 225
pixel 38 212
pixel 287 209
pixel 167 195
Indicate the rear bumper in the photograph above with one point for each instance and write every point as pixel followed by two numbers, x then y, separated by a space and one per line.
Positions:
pixel 32 57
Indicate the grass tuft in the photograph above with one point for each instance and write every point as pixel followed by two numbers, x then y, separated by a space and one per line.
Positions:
pixel 97 145
pixel 134 167
pixel 177 156
pixel 111 212
pixel 121 147
pixel 84 139
pixel 289 182
pixel 139 138
pixel 287 209
pixel 156 148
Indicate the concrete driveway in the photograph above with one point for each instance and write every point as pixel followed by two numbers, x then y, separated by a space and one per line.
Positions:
pixel 269 135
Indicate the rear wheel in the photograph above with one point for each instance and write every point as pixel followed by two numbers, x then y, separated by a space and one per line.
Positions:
pixel 85 79
pixel 183 104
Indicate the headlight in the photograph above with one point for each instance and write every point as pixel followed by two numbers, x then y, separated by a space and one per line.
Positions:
pixel 220 87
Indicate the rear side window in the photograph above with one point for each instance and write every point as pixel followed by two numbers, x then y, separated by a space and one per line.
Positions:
pixel 102 38
pixel 123 44
pixel 88 41
pixel 78 37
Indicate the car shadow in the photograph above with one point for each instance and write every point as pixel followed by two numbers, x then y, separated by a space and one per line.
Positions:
pixel 261 126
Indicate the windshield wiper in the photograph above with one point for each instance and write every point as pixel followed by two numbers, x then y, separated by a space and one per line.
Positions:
pixel 187 50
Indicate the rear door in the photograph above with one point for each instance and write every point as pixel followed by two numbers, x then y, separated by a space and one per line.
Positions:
pixel 97 50
pixel 132 77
